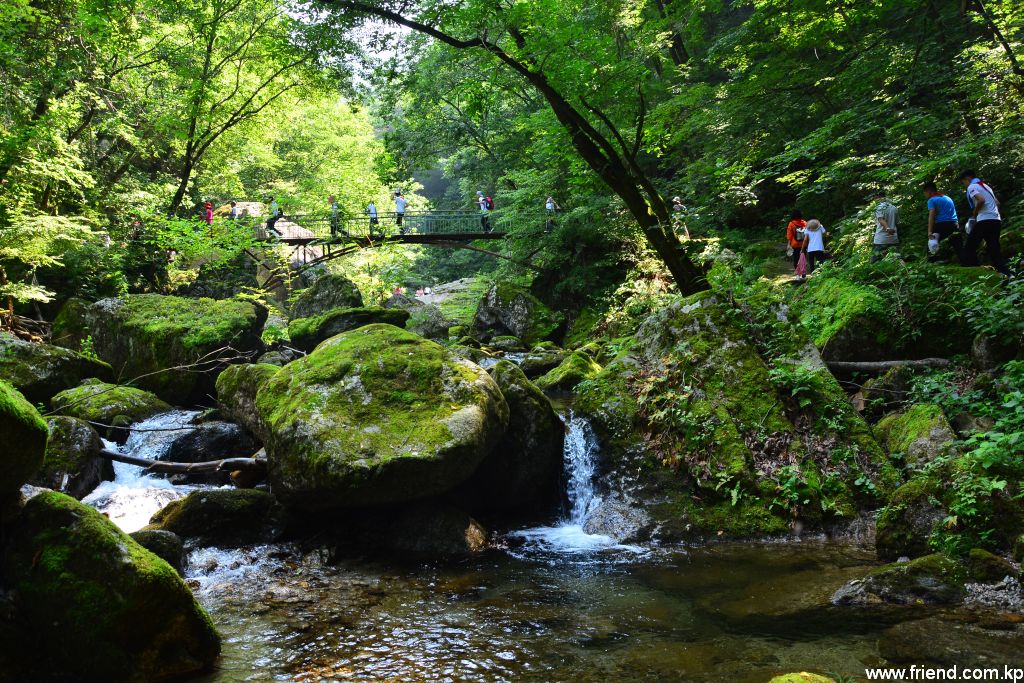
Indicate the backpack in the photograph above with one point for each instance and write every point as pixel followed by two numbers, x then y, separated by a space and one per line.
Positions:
pixel 489 203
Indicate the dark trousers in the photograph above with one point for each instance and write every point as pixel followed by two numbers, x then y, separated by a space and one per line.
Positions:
pixel 796 256
pixel 988 231
pixel 949 231
pixel 485 222
pixel 813 259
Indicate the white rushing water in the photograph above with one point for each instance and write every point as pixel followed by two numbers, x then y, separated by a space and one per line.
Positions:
pixel 580 462
pixel 133 497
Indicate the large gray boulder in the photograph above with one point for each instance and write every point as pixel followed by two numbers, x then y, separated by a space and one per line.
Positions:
pixel 237 387
pixel 39 371
pixel 327 293
pixel 306 333
pixel 507 309
pixel 377 415
pixel 523 471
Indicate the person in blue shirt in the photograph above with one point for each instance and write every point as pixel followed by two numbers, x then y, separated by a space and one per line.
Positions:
pixel 942 220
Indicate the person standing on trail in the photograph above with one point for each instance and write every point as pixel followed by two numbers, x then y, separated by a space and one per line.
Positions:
pixel 272 214
pixel 679 216
pixel 208 213
pixel 485 210
pixel 333 203
pixel 814 243
pixel 795 235
pixel 987 223
pixel 400 204
pixel 233 214
pixel 551 206
pixel 886 236
pixel 942 222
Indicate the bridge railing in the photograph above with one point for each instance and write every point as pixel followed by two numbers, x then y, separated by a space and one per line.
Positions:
pixel 313 227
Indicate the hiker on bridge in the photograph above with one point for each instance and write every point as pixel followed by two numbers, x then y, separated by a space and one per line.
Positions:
pixel 400 204
pixel 335 218
pixel 274 213
pixel 486 205
pixel 371 211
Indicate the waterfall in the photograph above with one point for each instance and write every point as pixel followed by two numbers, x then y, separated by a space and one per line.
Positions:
pixel 134 496
pixel 580 462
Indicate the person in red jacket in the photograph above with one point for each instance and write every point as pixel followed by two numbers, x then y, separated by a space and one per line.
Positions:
pixel 209 213
pixel 795 235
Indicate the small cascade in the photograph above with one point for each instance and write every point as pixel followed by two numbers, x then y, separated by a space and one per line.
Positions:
pixel 133 497
pixel 568 536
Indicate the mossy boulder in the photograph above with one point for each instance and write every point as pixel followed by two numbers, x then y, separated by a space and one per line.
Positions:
pixel 103 403
pixel 327 293
pixel 904 527
pixel 920 434
pixel 155 341
pixel 541 362
pixel 164 544
pixel 888 392
pixel 523 472
pixel 306 333
pixel 71 326
pixel 986 567
pixel 506 343
pixel 847 320
pixel 39 371
pixel 99 605
pixel 237 387
pixel 377 415
pixel 509 310
pixel 569 373
pixel 223 517
pixel 929 580
pixel 24 434
pixel 71 465
pixel 710 434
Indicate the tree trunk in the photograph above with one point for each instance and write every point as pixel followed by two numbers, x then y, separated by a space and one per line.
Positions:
pixel 847 368
pixel 255 465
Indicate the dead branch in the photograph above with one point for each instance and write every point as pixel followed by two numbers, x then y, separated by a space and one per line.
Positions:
pixel 846 368
pixel 254 465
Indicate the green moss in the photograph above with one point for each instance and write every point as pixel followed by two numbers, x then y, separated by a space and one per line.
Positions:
pixel 101 402
pixel 194 323
pixel 306 333
pixel 984 567
pixel 831 307
pixel 461 304
pixel 39 371
pixel 576 368
pixel 24 434
pixel 376 412
pixel 223 517
pixel 920 434
pixel 507 308
pixel 327 293
pixel 686 517
pixel 71 465
pixel 100 602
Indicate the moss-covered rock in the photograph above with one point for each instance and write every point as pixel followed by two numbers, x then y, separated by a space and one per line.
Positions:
pixel 158 339
pixel 71 465
pixel 887 393
pixel 523 471
pixel 929 580
pixel 71 326
pixel 99 605
pixel 717 440
pixel 237 387
pixel 986 567
pixel 847 320
pixel 904 527
pixel 510 310
pixel 102 403
pixel 325 294
pixel 920 434
pixel 541 362
pixel 306 333
pixel 377 415
pixel 223 517
pixel 24 434
pixel 576 368
pixel 164 544
pixel 39 371
pixel 506 343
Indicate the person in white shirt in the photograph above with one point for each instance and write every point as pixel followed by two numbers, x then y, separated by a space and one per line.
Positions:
pixel 551 206
pixel 814 243
pixel 400 204
pixel 485 211
pixel 233 214
pixel 988 222
pixel 371 211
pixel 886 236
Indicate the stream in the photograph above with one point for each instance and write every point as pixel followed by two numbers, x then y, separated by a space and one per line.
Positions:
pixel 550 603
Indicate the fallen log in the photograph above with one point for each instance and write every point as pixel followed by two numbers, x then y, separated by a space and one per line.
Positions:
pixel 847 368
pixel 253 465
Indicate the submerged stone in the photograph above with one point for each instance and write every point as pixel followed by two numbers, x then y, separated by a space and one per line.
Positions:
pixel 929 580
pixel 99 605
pixel 377 415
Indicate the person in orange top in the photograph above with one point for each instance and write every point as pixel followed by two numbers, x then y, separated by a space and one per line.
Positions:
pixel 795 235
